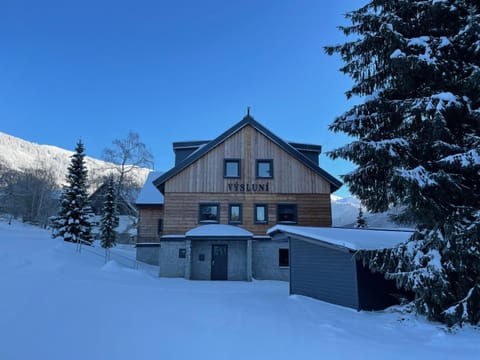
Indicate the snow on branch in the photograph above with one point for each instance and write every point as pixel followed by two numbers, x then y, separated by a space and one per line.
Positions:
pixel 437 102
pixel 418 175
pixel 468 159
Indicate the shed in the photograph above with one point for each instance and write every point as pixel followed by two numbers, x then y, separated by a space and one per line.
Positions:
pixel 323 264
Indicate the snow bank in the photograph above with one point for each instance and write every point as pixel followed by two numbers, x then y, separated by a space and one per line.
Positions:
pixel 57 304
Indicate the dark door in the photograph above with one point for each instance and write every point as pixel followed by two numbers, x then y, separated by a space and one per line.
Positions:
pixel 219 262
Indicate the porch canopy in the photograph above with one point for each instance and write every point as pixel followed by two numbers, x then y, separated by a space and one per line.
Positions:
pixel 218 232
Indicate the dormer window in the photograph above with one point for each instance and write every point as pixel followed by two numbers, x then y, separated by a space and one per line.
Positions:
pixel 265 169
pixel 231 168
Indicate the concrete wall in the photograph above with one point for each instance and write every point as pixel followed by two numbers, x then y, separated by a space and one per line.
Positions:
pixel 148 253
pixel 265 260
pixel 170 263
pixel 237 259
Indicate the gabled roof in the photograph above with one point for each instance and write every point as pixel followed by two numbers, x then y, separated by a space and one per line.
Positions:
pixel 347 238
pixel 149 195
pixel 247 120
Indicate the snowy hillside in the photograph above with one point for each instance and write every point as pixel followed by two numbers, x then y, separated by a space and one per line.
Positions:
pixel 18 154
pixel 58 305
pixel 345 212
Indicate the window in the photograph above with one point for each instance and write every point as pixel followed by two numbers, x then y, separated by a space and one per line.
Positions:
pixel 287 213
pixel 182 253
pixel 264 168
pixel 283 260
pixel 261 214
pixel 208 213
pixel 235 214
pixel 160 226
pixel 231 168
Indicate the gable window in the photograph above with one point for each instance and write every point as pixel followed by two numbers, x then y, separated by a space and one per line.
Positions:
pixel 235 214
pixel 208 213
pixel 261 214
pixel 231 168
pixel 287 213
pixel 265 169
pixel 283 259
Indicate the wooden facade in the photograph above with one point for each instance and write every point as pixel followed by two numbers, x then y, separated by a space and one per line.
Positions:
pixel 182 209
pixel 199 178
pixel 245 178
pixel 206 174
pixel 150 223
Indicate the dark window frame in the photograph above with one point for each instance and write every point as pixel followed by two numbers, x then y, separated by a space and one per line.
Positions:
pixel 283 257
pixel 209 221
pixel 160 226
pixel 240 215
pixel 238 162
pixel 269 161
pixel 255 206
pixel 294 212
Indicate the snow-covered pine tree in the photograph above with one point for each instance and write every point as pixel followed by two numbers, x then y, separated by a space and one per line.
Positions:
pixel 73 219
pixel 416 64
pixel 361 222
pixel 110 219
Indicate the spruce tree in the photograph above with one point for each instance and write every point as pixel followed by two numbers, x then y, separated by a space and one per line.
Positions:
pixel 361 222
pixel 110 219
pixel 73 220
pixel 416 66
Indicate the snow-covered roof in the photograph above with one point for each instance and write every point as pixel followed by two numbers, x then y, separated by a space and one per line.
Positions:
pixel 353 239
pixel 149 194
pixel 218 230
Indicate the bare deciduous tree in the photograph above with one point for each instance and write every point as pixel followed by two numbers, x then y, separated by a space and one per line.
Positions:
pixel 29 194
pixel 128 154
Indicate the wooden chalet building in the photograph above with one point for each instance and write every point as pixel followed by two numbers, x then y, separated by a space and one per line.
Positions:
pixel 222 196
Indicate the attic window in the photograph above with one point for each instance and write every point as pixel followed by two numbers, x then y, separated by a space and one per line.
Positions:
pixel 232 168
pixel 265 169
pixel 208 213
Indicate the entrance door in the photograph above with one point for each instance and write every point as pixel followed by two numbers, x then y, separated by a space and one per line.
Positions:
pixel 219 262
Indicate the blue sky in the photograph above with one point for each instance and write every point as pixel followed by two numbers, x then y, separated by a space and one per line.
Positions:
pixel 171 71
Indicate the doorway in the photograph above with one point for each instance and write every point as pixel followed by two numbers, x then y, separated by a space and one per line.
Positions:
pixel 219 262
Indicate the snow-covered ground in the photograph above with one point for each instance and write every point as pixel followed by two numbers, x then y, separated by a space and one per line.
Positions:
pixel 57 304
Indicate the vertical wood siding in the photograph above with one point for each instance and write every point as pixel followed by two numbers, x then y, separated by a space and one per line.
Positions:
pixel 206 174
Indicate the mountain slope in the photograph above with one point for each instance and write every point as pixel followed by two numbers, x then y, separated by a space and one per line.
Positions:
pixel 17 154
pixel 345 212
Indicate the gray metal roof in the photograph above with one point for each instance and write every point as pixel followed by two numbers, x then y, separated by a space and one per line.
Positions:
pixel 349 238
